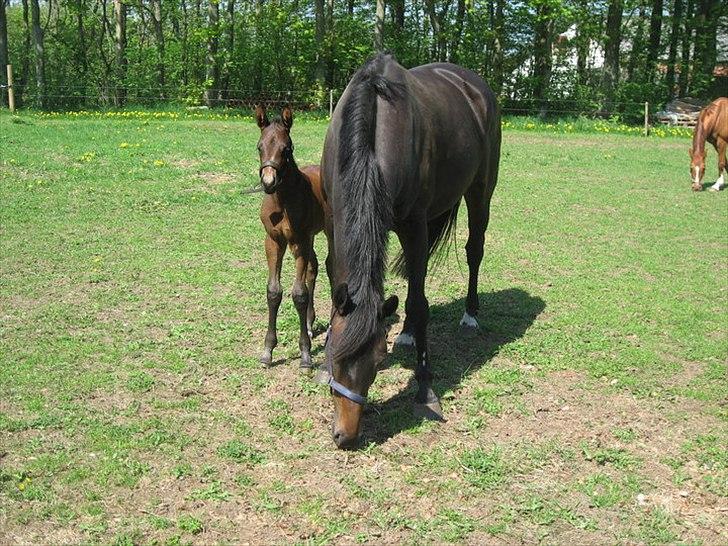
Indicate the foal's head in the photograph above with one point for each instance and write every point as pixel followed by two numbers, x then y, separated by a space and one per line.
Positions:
pixel 697 167
pixel 275 147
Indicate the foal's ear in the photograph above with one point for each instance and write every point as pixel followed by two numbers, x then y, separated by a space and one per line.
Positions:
pixel 342 300
pixel 261 117
pixel 389 306
pixel 287 117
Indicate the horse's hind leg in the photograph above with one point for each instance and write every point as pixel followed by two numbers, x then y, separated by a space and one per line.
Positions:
pixel 477 199
pixel 721 148
pixel 311 274
pixel 302 254
pixel 274 252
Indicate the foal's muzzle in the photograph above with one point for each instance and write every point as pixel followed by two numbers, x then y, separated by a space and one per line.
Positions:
pixel 270 175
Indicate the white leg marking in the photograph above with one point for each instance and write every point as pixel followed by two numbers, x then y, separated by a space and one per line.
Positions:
pixel 718 183
pixel 468 321
pixel 404 339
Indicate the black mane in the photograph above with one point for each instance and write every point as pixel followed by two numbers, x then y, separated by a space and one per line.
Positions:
pixel 367 213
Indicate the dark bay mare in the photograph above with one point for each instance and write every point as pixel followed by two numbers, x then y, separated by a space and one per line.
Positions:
pixel 292 213
pixel 402 150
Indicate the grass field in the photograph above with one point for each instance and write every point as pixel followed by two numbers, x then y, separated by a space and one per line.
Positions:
pixel 590 408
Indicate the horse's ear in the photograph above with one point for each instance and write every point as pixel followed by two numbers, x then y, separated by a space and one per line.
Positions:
pixel 389 306
pixel 261 117
pixel 287 117
pixel 342 300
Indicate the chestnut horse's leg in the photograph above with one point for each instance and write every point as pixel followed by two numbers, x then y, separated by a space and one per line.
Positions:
pixel 274 252
pixel 311 274
pixel 302 254
pixel 414 245
pixel 720 147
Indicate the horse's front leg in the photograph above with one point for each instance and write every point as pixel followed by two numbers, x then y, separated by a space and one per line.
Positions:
pixel 302 254
pixel 721 149
pixel 274 252
pixel 414 246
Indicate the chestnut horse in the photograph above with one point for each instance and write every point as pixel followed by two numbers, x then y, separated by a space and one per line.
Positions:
pixel 713 127
pixel 402 150
pixel 292 213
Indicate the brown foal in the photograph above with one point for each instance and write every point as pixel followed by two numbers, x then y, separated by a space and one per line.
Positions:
pixel 712 127
pixel 292 213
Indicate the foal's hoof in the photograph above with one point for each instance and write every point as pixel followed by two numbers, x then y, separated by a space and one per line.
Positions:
pixel 429 409
pixel 306 364
pixel 405 339
pixel 266 359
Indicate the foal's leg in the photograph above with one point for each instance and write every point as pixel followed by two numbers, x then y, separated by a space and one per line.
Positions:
pixel 478 203
pixel 274 253
pixel 414 246
pixel 301 299
pixel 311 274
pixel 721 149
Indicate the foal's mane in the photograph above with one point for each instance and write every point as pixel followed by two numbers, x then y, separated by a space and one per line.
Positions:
pixel 367 203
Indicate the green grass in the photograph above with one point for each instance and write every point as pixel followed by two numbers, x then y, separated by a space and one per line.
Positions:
pixel 132 310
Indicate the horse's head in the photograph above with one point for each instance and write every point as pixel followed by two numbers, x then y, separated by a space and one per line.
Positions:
pixel 697 168
pixel 275 147
pixel 352 375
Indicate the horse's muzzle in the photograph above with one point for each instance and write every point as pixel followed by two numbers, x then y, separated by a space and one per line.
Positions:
pixel 269 179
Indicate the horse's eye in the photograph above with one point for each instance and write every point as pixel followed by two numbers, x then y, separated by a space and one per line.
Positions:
pixel 259 147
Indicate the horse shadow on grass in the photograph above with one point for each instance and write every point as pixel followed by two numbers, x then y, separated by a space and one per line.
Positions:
pixel 456 352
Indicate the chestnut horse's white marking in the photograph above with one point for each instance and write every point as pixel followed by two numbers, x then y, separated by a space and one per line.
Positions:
pixel 697 174
pixel 468 321
pixel 718 183
pixel 404 339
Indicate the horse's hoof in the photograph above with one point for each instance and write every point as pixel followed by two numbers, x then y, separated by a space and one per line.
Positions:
pixel 432 411
pixel 405 339
pixel 429 407
pixel 468 320
pixel 306 363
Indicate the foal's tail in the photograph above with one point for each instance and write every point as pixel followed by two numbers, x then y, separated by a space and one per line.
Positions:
pixel 366 201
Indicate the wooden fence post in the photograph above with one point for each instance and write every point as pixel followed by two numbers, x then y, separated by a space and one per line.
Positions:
pixel 11 91
pixel 647 118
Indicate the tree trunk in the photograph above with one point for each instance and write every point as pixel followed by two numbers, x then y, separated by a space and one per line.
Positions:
pixel 498 40
pixel 677 10
pixel 212 68
pixel 320 70
pixel 379 26
pixel 653 50
pixel 458 34
pixel 398 15
pixel 684 77
pixel 230 47
pixel 542 60
pixel 611 48
pixel 159 39
pixel 39 52
pixel 120 44
pixel 583 38
pixel 3 48
pixel 637 45
pixel 704 53
pixel 350 7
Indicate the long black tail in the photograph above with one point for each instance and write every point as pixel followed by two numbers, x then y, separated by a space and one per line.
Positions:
pixel 439 232
pixel 367 204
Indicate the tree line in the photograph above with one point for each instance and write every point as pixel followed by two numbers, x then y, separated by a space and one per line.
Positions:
pixel 543 54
